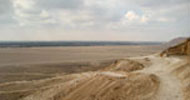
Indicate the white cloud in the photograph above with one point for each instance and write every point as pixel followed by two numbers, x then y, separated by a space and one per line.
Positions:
pixel 147 16
pixel 27 15
pixel 95 13
pixel 131 16
pixel 25 4
pixel 20 6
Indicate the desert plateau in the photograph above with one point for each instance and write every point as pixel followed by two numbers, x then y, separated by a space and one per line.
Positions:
pixel 96 73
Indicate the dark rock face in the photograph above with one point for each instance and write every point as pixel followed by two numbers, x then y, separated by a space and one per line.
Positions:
pixel 180 49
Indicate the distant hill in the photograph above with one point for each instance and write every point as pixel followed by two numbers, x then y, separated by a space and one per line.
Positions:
pixel 179 49
pixel 73 43
pixel 174 42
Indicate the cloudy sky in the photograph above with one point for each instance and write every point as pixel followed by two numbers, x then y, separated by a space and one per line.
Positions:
pixel 107 20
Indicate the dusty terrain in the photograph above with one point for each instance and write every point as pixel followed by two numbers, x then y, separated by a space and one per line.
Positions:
pixel 146 76
pixel 17 64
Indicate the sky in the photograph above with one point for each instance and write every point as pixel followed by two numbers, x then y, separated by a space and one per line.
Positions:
pixel 94 20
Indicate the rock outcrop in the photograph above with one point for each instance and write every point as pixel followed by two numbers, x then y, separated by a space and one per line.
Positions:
pixel 180 49
pixel 174 42
pixel 125 65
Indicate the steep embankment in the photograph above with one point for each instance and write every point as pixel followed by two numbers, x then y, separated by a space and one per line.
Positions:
pixel 180 49
pixel 181 69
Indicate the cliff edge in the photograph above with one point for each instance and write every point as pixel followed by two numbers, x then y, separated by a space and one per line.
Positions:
pixel 180 49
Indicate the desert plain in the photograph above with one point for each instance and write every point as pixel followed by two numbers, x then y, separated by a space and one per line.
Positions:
pixel 94 73
pixel 41 62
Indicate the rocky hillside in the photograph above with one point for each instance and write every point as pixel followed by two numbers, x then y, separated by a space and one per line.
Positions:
pixel 180 49
pixel 174 42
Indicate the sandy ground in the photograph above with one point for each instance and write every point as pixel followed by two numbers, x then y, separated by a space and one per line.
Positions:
pixel 156 81
pixel 84 85
pixel 137 77
pixel 170 87
pixel 47 55
pixel 17 64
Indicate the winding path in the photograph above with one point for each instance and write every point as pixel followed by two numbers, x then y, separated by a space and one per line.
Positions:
pixel 170 86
